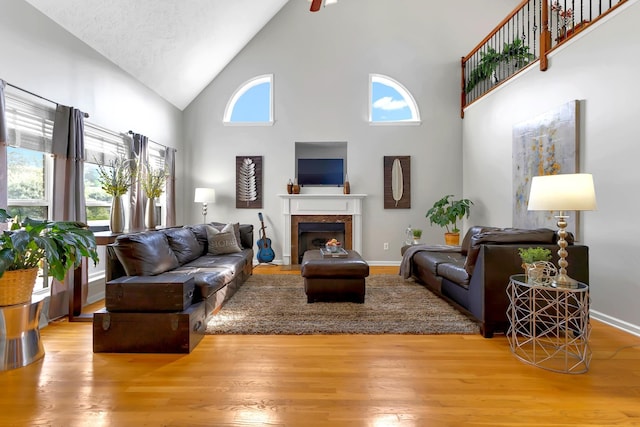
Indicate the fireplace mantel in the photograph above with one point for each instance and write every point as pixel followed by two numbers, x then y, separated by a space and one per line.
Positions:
pixel 321 204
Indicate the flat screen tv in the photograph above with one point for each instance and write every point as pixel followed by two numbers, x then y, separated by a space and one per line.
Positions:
pixel 328 172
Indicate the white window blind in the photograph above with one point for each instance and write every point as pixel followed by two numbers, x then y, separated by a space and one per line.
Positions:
pixel 102 146
pixel 30 124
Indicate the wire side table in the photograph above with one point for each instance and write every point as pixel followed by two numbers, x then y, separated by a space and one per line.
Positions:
pixel 549 326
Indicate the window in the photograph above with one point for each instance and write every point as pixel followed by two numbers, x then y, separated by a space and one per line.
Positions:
pixel 102 146
pixel 29 164
pixel 390 102
pixel 252 102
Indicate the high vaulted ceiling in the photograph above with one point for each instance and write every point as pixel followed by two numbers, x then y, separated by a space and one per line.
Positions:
pixel 174 47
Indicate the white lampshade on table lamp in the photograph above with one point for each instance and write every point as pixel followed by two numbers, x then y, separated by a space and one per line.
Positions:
pixel 204 196
pixel 565 192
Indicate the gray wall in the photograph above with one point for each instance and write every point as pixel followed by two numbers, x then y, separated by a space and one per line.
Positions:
pixel 599 68
pixel 321 64
pixel 41 57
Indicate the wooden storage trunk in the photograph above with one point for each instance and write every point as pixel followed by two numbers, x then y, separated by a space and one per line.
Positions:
pixel 165 293
pixel 176 332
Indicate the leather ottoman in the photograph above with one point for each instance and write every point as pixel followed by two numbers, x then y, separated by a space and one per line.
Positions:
pixel 334 278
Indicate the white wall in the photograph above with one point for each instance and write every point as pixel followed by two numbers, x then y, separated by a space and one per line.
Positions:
pixel 41 57
pixel 599 68
pixel 321 64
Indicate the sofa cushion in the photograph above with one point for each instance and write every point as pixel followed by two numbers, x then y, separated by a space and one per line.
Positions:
pixel 222 241
pixel 183 243
pixel 455 272
pixel 433 260
pixel 145 254
pixel 505 236
pixel 466 242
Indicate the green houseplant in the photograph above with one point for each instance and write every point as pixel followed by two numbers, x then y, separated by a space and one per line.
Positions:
pixel 531 255
pixel 61 244
pixel 530 258
pixel 417 234
pixel 446 213
pixel 514 55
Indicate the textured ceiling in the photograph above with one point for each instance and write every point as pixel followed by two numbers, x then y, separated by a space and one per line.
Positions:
pixel 175 47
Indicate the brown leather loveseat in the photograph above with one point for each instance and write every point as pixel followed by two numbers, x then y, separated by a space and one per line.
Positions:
pixel 474 276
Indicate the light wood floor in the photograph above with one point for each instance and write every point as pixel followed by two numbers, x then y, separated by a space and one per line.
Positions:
pixel 401 380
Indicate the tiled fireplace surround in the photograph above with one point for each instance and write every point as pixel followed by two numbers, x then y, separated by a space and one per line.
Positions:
pixel 320 208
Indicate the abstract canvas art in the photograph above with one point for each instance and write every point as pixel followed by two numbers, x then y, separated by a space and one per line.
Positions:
pixel 544 145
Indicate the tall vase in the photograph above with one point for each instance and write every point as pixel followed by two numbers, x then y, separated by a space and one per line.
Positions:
pixel 116 220
pixel 150 214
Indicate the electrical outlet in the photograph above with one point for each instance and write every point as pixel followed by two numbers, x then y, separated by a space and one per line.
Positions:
pixel 386 246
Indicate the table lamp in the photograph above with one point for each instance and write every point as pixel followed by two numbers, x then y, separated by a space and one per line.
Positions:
pixel 204 196
pixel 564 192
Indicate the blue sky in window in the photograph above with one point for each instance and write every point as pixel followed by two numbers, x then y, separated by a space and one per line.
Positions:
pixel 388 104
pixel 253 105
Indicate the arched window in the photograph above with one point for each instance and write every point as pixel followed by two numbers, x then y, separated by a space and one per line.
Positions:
pixel 252 102
pixel 390 102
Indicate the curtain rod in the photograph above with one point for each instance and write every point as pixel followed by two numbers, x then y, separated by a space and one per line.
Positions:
pixel 162 145
pixel 86 115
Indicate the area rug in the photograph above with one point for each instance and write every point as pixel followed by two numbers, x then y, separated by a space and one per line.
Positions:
pixel 277 305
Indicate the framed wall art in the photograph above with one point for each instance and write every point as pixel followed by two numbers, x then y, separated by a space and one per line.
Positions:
pixel 249 182
pixel 397 182
pixel 544 145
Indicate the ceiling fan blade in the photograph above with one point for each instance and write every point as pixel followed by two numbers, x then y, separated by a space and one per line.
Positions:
pixel 315 5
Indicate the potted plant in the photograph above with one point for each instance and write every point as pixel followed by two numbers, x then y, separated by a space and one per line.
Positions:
pixel 153 181
pixel 115 180
pixel 417 235
pixel 531 256
pixel 61 244
pixel 514 55
pixel 446 213
pixel 488 63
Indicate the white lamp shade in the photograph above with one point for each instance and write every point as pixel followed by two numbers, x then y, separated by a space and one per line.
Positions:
pixel 565 192
pixel 205 195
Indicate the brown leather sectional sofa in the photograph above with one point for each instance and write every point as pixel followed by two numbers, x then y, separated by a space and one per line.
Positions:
pixel 183 250
pixel 474 277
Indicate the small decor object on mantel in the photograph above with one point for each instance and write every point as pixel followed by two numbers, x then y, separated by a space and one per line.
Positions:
pixel 347 186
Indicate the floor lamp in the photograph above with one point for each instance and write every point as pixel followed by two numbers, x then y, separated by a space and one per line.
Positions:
pixel 565 192
pixel 204 196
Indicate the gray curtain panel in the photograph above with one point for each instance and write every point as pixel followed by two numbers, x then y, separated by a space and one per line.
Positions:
pixel 3 154
pixel 68 192
pixel 137 198
pixel 170 160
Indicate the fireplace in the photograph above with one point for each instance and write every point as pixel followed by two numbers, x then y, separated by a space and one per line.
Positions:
pixel 343 209
pixel 313 231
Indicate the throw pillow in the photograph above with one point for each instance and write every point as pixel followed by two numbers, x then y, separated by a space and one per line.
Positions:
pixel 236 230
pixel 222 241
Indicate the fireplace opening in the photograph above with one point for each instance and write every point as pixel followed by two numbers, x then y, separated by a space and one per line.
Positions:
pixel 314 235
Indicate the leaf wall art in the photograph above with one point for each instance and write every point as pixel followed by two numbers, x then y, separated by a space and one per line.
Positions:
pixel 397 182
pixel 249 182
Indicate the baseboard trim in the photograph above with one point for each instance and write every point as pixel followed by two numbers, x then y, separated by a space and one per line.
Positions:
pixel 616 323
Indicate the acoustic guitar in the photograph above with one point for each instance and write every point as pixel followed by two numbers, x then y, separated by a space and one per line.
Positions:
pixel 265 253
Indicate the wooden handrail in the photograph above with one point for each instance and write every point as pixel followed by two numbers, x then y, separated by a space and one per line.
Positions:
pixel 544 38
pixel 496 29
